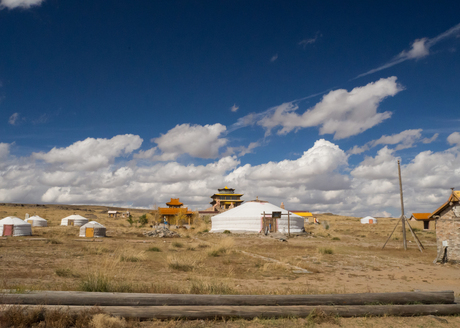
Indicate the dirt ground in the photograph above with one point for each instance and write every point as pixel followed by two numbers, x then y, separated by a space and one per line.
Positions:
pixel 343 256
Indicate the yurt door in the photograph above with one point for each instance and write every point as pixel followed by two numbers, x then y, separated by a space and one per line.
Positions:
pixel 90 232
pixel 8 230
pixel 71 222
pixel 371 221
pixel 270 223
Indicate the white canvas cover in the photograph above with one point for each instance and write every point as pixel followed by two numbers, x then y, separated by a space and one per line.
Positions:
pixel 20 227
pixel 78 220
pixel 99 229
pixel 368 220
pixel 248 218
pixel 37 221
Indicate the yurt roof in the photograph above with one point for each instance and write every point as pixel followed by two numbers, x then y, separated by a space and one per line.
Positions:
pixel 13 220
pixel 251 209
pixel 93 224
pixel 36 217
pixel 75 217
pixel 368 218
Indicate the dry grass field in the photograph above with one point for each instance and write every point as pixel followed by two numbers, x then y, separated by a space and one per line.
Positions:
pixel 344 257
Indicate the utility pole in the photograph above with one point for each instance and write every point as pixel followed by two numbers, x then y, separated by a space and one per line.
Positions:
pixel 403 218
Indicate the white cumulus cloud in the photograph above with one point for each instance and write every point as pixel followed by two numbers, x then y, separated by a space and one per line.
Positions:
pixel 340 112
pixel 195 140
pixel 91 154
pixel 454 139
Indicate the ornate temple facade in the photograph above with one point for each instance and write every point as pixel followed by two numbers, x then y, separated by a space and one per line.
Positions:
pixel 225 199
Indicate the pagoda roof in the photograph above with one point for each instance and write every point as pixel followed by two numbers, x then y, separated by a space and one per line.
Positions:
pixel 174 202
pixel 227 195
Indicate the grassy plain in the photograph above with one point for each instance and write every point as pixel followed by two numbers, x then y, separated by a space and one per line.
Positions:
pixel 344 258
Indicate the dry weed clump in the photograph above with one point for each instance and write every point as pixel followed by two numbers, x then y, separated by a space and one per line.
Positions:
pixel 17 316
pixel 105 321
pixel 223 247
pixel 66 273
pixel 183 263
pixel 200 286
pixel 114 273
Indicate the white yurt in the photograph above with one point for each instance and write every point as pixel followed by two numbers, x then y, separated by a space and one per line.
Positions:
pixel 37 221
pixel 74 220
pixel 92 229
pixel 368 220
pixel 13 226
pixel 248 217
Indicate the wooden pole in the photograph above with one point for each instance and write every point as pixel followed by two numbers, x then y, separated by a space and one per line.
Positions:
pixel 417 241
pixel 221 312
pixel 145 299
pixel 391 234
pixel 403 218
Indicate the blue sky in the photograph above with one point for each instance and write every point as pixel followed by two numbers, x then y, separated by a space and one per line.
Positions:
pixel 307 103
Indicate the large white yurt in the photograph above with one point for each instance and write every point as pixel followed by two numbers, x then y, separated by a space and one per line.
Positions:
pixel 92 229
pixel 13 226
pixel 74 220
pixel 368 220
pixel 37 221
pixel 248 217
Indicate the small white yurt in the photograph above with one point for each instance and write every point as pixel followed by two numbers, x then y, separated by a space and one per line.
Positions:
pixel 13 226
pixel 92 229
pixel 249 217
pixel 368 220
pixel 74 220
pixel 37 221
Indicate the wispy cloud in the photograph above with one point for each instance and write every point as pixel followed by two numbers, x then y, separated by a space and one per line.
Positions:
pixel 274 57
pixel 13 120
pixel 42 119
pixel 11 4
pixel 403 140
pixel 420 48
pixel 308 41
pixel 234 108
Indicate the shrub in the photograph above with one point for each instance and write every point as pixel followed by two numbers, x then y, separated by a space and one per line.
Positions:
pixel 325 250
pixel 154 249
pixel 130 220
pixel 227 231
pixel 177 244
pixel 336 238
pixel 143 220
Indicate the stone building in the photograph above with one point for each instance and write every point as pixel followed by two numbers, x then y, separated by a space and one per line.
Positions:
pixel 448 229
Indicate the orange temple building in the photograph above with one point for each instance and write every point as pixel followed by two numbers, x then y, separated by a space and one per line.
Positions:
pixel 174 210
pixel 225 199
